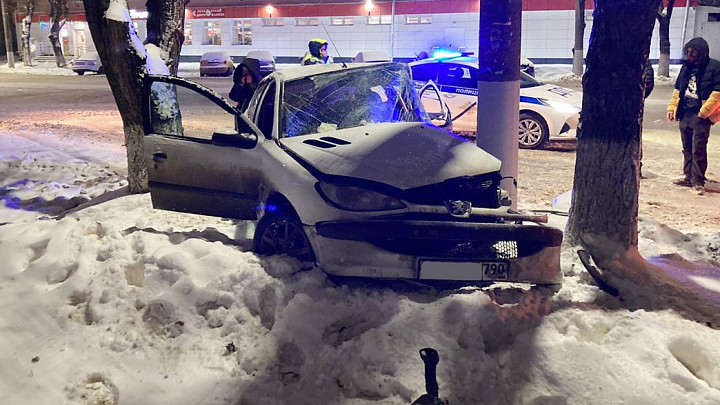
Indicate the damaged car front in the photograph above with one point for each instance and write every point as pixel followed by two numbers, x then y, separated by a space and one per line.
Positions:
pixel 343 168
pixel 395 196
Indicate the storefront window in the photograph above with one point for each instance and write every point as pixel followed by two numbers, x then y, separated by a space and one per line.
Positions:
pixel 212 33
pixel 379 20
pixel 243 32
pixel 342 21
pixel 188 34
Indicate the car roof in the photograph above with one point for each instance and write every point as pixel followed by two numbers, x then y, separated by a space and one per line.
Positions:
pixel 215 54
pixel 300 72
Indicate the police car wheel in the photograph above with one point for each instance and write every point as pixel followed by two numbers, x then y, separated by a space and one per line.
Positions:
pixel 532 132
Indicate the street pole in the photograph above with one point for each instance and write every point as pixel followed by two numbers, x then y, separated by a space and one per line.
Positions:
pixel 8 40
pixel 499 86
pixel 392 31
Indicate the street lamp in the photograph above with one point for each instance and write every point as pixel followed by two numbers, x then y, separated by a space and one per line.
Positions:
pixel 269 9
pixel 369 6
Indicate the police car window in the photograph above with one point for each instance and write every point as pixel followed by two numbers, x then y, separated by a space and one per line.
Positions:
pixel 458 76
pixel 425 72
pixel 528 81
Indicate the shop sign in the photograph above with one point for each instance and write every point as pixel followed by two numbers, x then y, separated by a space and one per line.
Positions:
pixel 208 12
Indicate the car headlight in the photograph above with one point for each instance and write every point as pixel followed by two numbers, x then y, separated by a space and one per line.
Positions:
pixel 358 199
pixel 561 107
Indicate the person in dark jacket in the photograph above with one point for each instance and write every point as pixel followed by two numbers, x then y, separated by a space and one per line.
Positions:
pixel 245 81
pixel 696 105
pixel 317 53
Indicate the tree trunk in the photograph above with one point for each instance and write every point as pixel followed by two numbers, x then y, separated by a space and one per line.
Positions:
pixel 26 25
pixel 165 29
pixel 124 68
pixel 603 215
pixel 58 14
pixel 124 59
pixel 579 37
pixel 663 18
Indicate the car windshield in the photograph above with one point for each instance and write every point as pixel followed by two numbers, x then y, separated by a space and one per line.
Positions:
pixel 528 81
pixel 350 98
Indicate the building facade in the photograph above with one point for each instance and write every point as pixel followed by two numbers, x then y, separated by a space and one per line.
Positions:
pixel 548 29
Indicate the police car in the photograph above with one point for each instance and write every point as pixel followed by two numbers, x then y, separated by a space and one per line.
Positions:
pixel 546 111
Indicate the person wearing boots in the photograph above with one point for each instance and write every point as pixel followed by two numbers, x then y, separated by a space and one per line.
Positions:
pixel 696 105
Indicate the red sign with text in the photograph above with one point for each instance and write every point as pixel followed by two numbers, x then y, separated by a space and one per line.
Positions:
pixel 208 12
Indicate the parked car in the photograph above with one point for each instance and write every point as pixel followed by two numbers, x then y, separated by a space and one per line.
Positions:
pixel 267 61
pixel 372 57
pixel 342 168
pixel 216 63
pixel 88 62
pixel 546 111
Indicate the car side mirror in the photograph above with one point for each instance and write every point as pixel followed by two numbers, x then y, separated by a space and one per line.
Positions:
pixel 436 108
pixel 229 137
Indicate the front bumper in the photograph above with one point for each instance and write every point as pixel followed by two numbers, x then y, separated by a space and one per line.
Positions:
pixel 397 249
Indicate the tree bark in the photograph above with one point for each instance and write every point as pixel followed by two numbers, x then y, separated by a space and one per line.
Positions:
pixel 58 14
pixel 26 25
pixel 124 58
pixel 603 214
pixel 663 18
pixel 124 68
pixel 165 29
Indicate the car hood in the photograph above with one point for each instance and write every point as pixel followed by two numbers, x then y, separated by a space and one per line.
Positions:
pixel 403 155
pixel 556 93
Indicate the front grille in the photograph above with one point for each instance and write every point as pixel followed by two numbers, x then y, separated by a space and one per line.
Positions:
pixel 481 191
pixel 488 250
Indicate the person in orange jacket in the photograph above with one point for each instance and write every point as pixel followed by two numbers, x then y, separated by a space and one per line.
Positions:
pixel 695 104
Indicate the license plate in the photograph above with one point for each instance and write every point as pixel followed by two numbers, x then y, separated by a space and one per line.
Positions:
pixel 464 271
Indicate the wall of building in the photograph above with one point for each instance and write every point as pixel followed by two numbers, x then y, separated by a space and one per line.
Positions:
pixel 547 30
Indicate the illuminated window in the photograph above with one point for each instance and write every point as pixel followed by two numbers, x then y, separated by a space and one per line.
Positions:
pixel 342 21
pixel 301 22
pixel 212 33
pixel 418 19
pixel 188 34
pixel 273 22
pixel 379 20
pixel 243 32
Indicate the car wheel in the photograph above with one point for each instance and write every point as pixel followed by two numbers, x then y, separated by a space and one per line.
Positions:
pixel 101 70
pixel 80 72
pixel 533 131
pixel 280 233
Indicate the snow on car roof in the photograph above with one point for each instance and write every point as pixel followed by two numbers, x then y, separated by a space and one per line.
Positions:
pixel 299 72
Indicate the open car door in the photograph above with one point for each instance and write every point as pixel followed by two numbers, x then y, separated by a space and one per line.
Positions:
pixel 437 109
pixel 199 150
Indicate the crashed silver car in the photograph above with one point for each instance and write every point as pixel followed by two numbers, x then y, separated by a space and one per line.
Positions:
pixel 343 168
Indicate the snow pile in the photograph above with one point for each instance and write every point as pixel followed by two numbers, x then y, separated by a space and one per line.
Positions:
pixel 118 303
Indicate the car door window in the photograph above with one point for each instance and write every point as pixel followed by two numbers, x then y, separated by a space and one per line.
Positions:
pixel 184 112
pixel 454 76
pixel 425 72
pixel 266 114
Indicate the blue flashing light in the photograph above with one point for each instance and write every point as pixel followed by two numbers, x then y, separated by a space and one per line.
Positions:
pixel 444 54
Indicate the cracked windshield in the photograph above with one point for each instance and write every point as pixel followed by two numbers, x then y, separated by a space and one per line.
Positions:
pixel 350 98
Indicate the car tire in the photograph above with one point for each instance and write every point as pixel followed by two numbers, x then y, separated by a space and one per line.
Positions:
pixel 532 131
pixel 281 233
pixel 101 70
pixel 80 72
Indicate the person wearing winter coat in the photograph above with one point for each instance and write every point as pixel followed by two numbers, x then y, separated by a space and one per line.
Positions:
pixel 695 104
pixel 317 53
pixel 245 81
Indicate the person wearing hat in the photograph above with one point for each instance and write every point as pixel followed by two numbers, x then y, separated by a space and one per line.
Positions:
pixel 317 53
pixel 245 81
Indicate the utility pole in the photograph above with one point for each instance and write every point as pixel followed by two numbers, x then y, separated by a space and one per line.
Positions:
pixel 499 86
pixel 8 40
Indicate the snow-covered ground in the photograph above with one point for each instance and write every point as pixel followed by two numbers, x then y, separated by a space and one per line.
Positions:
pixel 113 302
